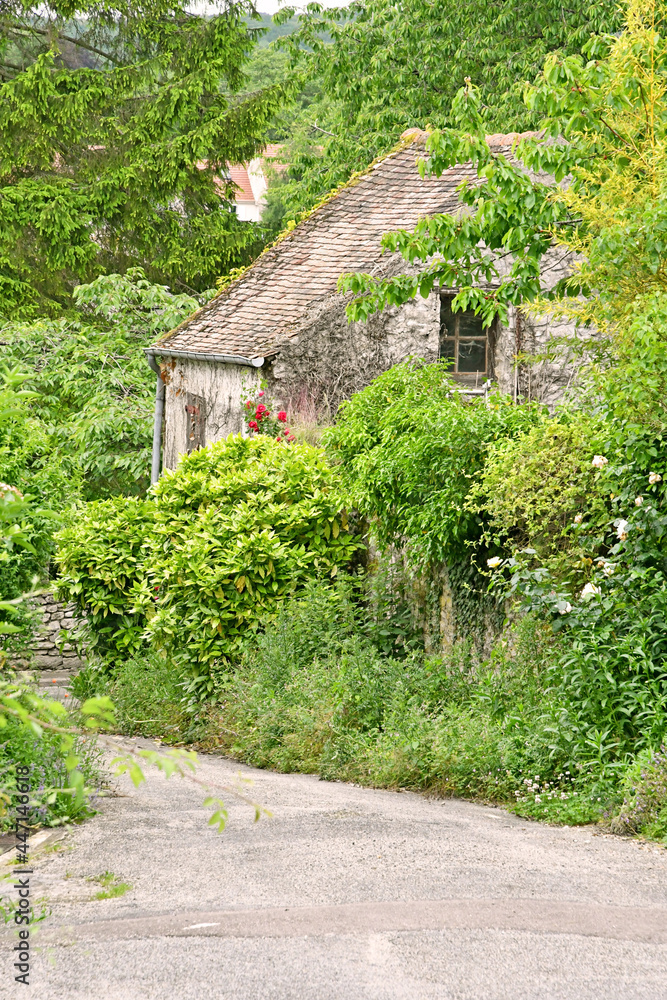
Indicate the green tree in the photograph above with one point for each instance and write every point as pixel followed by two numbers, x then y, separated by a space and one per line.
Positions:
pixel 116 123
pixel 91 415
pixel 604 129
pixel 384 67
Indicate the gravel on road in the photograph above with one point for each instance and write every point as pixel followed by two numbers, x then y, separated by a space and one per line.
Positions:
pixel 343 893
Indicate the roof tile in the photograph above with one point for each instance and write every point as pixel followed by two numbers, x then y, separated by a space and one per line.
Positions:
pixel 261 308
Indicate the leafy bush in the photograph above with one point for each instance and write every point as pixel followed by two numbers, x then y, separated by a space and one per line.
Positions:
pixel 28 478
pixel 221 541
pixel 644 808
pixel 534 485
pixel 102 561
pixel 53 799
pixel 411 447
pixel 146 693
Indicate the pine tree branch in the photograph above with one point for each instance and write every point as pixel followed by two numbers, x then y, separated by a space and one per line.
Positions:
pixel 33 30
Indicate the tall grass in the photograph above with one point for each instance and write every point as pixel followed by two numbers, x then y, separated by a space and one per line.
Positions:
pixel 317 692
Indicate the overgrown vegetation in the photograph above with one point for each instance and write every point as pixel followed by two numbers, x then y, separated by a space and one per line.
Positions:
pixel 559 518
pixel 220 541
pixel 236 605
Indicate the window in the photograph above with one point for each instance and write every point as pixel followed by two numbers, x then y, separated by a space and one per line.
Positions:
pixel 465 342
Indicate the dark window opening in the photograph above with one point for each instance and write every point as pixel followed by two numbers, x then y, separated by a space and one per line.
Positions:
pixel 464 342
pixel 195 422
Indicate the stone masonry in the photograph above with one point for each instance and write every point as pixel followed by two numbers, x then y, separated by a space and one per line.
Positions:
pixel 48 650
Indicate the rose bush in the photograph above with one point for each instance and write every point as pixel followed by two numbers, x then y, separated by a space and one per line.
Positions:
pixel 260 420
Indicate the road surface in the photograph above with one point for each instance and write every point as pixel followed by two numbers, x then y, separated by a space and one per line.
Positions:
pixel 344 893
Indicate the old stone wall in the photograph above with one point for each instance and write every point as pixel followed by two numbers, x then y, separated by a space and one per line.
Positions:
pixel 328 359
pixel 554 340
pixel 203 404
pixel 47 652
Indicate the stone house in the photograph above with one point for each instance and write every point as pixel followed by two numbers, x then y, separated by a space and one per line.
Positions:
pixel 283 321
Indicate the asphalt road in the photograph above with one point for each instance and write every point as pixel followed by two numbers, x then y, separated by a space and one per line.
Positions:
pixel 343 892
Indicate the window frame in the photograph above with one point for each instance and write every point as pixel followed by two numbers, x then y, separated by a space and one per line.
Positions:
pixel 487 334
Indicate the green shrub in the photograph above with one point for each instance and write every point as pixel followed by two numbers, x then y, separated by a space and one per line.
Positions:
pixel 534 485
pixel 411 447
pixel 102 561
pixel 52 797
pixel 644 808
pixel 219 544
pixel 146 692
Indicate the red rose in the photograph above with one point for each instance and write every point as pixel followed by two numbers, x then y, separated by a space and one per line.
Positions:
pixel 279 438
pixel 261 410
pixel 261 393
pixel 248 404
pixel 282 416
pixel 252 424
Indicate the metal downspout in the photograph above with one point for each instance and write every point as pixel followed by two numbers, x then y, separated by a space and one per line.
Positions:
pixel 160 390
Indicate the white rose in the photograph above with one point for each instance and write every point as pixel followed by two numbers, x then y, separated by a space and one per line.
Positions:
pixel 622 529
pixel 609 569
pixel 639 501
pixel 566 609
pixel 599 461
pixel 494 563
pixel 578 518
pixel 655 477
pixel 590 590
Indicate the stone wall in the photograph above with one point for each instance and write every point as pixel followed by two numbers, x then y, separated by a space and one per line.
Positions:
pixel 203 402
pixel 46 650
pixel 326 359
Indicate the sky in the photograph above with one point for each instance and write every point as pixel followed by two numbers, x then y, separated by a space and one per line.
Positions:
pixel 272 6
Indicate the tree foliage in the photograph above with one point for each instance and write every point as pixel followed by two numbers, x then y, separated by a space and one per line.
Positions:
pixel 90 414
pixel 411 448
pixel 384 67
pixel 116 125
pixel 603 141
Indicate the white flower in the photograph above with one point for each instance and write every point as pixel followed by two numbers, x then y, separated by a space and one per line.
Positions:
pixel 655 477
pixel 599 461
pixel 566 608
pixel 622 529
pixel 578 518
pixel 608 569
pixel 590 590
pixel 8 492
pixel 494 563
pixel 639 501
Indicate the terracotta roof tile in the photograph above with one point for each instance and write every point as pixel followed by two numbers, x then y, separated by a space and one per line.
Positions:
pixel 262 307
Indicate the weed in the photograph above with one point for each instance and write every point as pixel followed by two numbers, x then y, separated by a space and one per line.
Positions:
pixel 112 888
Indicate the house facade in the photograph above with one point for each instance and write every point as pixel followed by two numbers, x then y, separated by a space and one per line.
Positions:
pixel 283 321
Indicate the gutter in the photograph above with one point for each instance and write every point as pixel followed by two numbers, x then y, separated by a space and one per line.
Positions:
pixel 160 390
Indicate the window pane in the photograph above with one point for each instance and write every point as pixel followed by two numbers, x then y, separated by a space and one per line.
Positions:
pixel 470 325
pixel 472 355
pixel 446 318
pixel 448 351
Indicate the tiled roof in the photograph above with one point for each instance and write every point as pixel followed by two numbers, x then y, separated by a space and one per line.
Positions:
pixel 239 175
pixel 263 307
